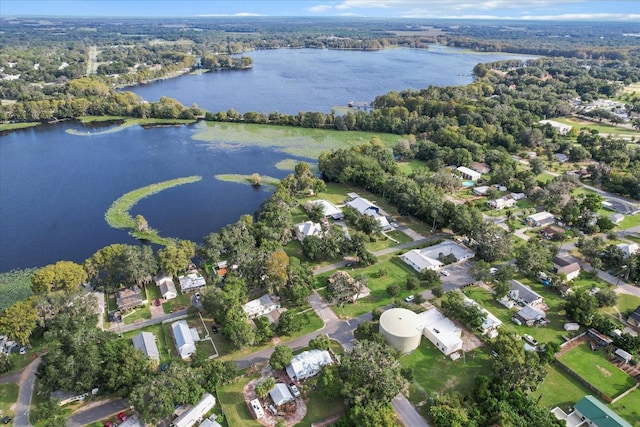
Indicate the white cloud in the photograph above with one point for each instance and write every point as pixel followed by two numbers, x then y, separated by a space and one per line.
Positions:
pixel 320 8
pixel 239 14
pixel 585 17
pixel 439 7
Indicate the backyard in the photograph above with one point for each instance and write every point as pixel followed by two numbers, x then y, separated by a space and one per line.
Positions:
pixel 163 340
pixel 594 367
pixel 8 396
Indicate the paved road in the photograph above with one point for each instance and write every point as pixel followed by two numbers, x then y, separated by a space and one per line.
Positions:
pixel 407 412
pixel 27 381
pixel 97 412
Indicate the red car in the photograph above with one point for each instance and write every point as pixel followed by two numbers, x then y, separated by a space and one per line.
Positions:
pixel 123 416
pixel 157 302
pixel 107 424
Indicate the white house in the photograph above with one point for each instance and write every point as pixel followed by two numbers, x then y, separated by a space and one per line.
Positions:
pixel 540 219
pixel 469 174
pixel 481 190
pixel 570 269
pixel 308 364
pixel 502 202
pixel 441 331
pixel 167 286
pixel 560 127
pixel 260 306
pixel 365 207
pixel 146 342
pixel 281 394
pixel 329 210
pixel 628 248
pixel 191 282
pixel 184 339
pixel 523 294
pixel 306 229
pixel 429 258
pixel 197 413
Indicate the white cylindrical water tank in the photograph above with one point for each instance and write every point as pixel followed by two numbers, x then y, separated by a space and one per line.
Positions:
pixel 401 328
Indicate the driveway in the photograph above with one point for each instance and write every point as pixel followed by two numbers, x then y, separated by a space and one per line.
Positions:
pixel 407 412
pixel 120 328
pixel 26 383
pixel 458 276
pixel 97 411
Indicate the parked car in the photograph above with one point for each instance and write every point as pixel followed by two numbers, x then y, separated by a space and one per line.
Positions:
pixel 294 390
pixel 198 296
pixel 157 302
pixel 122 416
pixel 516 321
pixel 23 350
pixel 214 329
pixel 445 272
pixel 6 419
pixel 531 340
pixel 106 424
pixel 410 298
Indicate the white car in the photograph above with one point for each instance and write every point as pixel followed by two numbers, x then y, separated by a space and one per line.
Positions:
pixel 294 390
pixel 410 298
pixel 445 272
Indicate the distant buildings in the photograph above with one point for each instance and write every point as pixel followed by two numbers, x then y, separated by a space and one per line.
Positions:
pixel 429 258
pixel 540 219
pixel 469 174
pixel 329 209
pixel 560 127
pixel 628 248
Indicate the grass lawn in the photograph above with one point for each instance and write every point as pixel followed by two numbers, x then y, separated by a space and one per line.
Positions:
pixel 436 373
pixel 8 396
pixel 600 127
pixel 629 407
pixel 383 242
pixel 629 221
pixel 140 313
pixel 163 340
pixel 320 408
pixel 594 367
pixel 153 292
pixel 399 236
pixel 178 303
pixel 397 273
pixel 294 249
pixel 412 165
pixel 5 127
pixel 235 408
pixel 544 177
pixel 559 389
pixel 550 333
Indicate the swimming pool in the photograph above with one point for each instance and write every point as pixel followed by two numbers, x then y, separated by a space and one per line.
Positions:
pixel 467 183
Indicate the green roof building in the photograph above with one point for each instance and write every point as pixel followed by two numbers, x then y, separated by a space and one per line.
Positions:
pixel 596 413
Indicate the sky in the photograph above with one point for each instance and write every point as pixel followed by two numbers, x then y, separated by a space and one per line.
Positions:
pixel 577 10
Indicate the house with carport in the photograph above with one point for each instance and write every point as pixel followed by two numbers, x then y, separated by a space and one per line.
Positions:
pixel 307 364
pixel 571 269
pixel 166 286
pixel 184 338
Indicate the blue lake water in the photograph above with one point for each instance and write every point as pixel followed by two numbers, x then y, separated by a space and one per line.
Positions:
pixel 55 187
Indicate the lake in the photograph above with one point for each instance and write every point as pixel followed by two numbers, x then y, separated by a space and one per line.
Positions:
pixel 293 80
pixel 55 187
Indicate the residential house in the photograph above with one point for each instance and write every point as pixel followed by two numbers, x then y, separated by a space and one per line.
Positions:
pixel 570 269
pixel 490 323
pixel 429 258
pixel 540 219
pixel 167 286
pixel 261 306
pixel 502 202
pixel 628 248
pixel 481 190
pixel 562 158
pixel 469 174
pixel 206 423
pixel 365 207
pixel 553 232
pixel 281 394
pixel 197 413
pixel 329 209
pixel 620 206
pixel 66 397
pixel 307 364
pixel 529 315
pixel 596 413
pixel 518 196
pixel 183 337
pixel 441 331
pixel 600 338
pixel 306 229
pixel 146 342
pixel 480 167
pixel 191 282
pixel 129 298
pixel 560 127
pixel 523 294
pixel 634 319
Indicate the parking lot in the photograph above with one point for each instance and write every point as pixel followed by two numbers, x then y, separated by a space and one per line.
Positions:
pixel 458 277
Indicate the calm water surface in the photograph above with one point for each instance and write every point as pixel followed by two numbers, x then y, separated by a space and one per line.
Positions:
pixel 55 187
pixel 294 80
